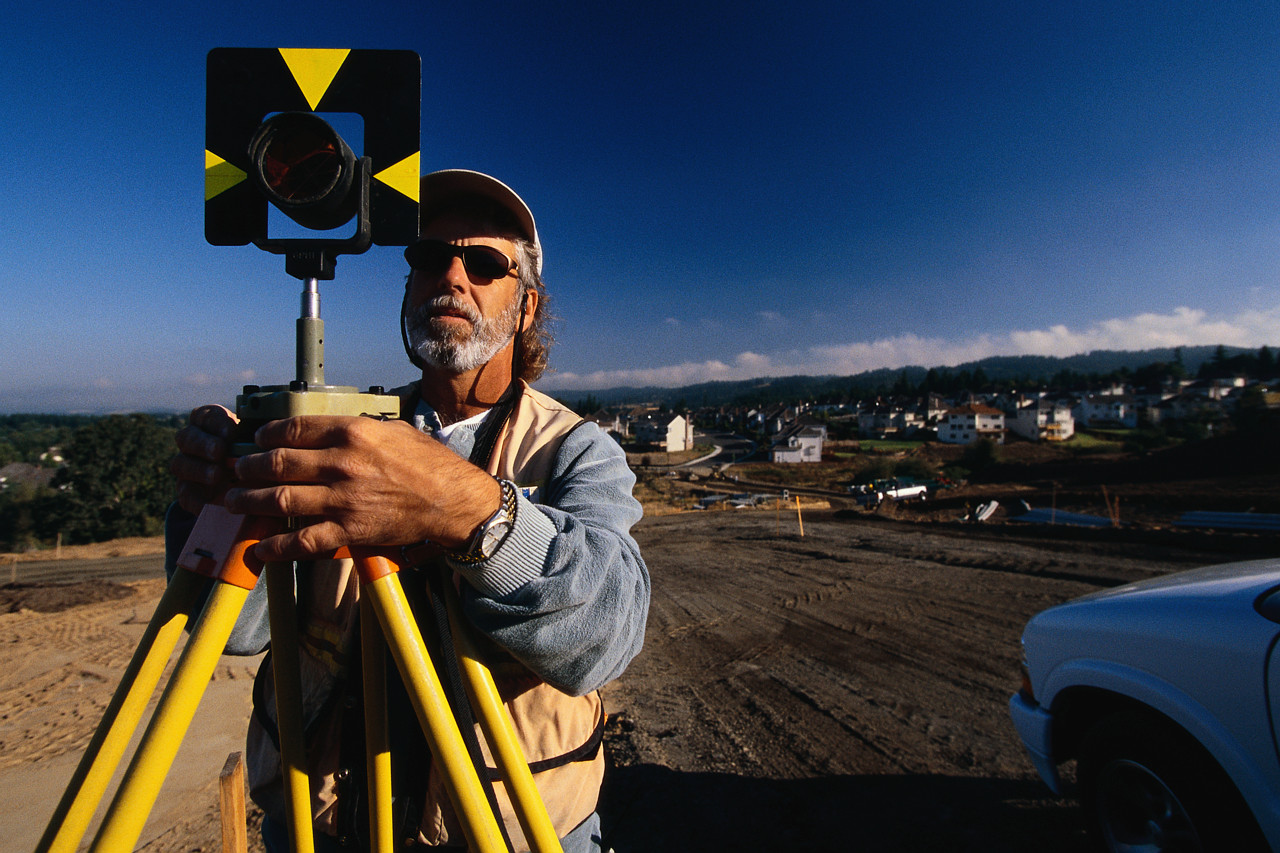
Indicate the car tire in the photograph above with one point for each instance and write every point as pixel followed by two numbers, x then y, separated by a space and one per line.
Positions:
pixel 1147 785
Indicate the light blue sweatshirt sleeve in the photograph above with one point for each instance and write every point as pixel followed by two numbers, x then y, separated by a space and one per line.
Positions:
pixel 567 594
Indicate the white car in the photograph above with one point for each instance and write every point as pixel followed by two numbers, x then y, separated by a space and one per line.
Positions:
pixel 1167 693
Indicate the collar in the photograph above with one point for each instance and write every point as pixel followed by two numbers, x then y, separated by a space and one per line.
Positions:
pixel 459 437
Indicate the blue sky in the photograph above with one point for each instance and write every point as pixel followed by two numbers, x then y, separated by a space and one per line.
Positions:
pixel 724 190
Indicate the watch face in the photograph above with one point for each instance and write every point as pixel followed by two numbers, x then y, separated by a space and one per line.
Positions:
pixel 493 536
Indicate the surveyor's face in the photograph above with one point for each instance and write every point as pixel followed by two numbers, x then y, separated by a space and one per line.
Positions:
pixel 457 320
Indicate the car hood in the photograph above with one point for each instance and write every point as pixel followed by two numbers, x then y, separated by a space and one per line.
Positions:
pixel 1230 580
pixel 1210 620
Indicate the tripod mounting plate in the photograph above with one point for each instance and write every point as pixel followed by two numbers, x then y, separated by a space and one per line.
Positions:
pixel 257 406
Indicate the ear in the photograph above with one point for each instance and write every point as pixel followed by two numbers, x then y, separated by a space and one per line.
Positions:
pixel 530 306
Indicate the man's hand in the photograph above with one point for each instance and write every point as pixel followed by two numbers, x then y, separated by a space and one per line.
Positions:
pixel 358 481
pixel 201 466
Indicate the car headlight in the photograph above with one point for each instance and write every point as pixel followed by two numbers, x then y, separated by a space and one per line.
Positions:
pixel 1025 689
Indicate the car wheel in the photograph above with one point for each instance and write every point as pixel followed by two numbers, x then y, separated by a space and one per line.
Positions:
pixel 1147 785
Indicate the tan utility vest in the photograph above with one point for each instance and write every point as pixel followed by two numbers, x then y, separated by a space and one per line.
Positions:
pixel 552 727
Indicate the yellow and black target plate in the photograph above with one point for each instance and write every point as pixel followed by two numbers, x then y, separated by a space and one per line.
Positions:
pixel 246 85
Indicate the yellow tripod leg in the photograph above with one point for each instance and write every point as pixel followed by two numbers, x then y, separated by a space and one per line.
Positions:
pixel 84 792
pixel 377 740
pixel 286 672
pixel 128 811
pixel 432 707
pixel 486 701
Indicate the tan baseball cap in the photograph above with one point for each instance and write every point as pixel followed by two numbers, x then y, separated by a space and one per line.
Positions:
pixel 438 188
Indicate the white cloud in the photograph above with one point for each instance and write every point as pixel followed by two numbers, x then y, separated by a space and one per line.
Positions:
pixel 1182 327
pixel 666 377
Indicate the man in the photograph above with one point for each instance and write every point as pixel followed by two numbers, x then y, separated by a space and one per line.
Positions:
pixel 484 481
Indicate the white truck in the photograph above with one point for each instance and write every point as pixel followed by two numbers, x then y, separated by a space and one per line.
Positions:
pixel 889 490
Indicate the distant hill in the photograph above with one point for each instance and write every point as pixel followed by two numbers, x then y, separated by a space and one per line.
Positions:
pixel 996 369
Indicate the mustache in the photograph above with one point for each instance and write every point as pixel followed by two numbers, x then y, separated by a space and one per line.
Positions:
pixel 445 303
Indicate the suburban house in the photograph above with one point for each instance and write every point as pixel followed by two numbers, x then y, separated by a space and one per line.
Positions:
pixel 1215 389
pixel 889 419
pixel 969 423
pixel 799 443
pixel 673 433
pixel 610 422
pixel 1107 410
pixel 1187 406
pixel 935 409
pixel 779 419
pixel 1042 420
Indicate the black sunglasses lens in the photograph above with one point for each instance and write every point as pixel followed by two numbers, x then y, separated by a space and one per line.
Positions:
pixel 429 257
pixel 485 262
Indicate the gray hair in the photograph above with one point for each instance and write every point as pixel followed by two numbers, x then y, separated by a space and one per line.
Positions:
pixel 536 340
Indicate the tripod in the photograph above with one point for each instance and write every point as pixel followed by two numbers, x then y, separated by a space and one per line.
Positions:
pixel 220 548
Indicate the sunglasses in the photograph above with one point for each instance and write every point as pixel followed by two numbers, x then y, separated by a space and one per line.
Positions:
pixel 433 258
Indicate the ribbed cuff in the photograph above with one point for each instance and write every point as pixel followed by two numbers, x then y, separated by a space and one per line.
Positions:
pixel 519 559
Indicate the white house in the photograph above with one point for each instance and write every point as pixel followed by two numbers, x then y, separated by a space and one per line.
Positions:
pixel 967 424
pixel 1043 420
pixel 888 419
pixel 673 433
pixel 799 443
pixel 1107 410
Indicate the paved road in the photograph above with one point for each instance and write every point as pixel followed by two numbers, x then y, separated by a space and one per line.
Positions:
pixel 732 448
pixel 70 571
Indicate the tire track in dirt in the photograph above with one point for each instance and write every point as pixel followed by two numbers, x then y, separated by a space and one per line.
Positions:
pixel 50 703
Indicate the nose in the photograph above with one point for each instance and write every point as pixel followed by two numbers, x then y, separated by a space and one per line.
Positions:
pixel 451 280
pixel 456 273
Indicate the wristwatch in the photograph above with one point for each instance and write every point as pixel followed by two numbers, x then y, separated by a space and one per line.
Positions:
pixel 493 532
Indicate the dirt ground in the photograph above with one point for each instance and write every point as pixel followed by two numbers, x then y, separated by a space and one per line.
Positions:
pixel 847 689
pixel 842 689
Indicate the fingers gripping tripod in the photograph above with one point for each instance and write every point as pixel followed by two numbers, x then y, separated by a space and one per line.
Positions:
pixel 220 548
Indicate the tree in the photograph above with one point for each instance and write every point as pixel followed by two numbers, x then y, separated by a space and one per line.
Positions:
pixel 23 507
pixel 587 406
pixel 1251 411
pixel 116 481
pixel 1266 363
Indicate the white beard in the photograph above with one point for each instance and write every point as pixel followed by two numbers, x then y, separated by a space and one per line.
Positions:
pixel 445 346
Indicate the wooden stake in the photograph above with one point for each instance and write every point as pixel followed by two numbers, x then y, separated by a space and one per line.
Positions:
pixel 1113 507
pixel 799 517
pixel 235 836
